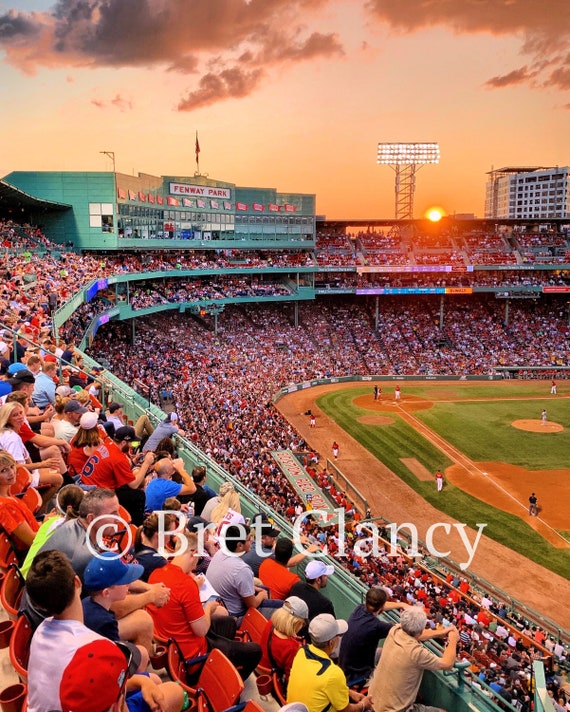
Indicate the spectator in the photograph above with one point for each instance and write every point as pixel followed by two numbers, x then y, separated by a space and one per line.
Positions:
pixel 315 680
pixel 202 494
pixel 195 625
pixel 147 541
pixel 280 641
pixel 359 650
pixel 316 577
pixel 15 517
pixel 274 572
pixel 233 579
pixel 224 508
pixel 108 465
pixel 45 385
pixel 107 580
pixel 67 504
pixel 397 678
pixel 162 486
pixel 265 535
pixel 166 429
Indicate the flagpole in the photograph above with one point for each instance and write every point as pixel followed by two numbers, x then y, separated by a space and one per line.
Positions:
pixel 197 148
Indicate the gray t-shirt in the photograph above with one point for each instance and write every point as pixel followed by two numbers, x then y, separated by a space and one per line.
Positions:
pixel 71 539
pixel 233 580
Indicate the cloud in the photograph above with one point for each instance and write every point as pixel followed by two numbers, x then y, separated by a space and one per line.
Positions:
pixel 117 102
pixel 543 27
pixel 517 76
pixel 228 84
pixel 232 43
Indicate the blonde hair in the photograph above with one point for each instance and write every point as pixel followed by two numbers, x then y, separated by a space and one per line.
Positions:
pixel 286 623
pixel 6 412
pixel 6 459
pixel 83 397
pixel 230 500
pixel 60 403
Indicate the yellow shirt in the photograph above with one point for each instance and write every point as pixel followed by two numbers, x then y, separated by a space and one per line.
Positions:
pixel 316 681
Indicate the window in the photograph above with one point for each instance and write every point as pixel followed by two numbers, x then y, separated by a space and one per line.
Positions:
pixel 101 216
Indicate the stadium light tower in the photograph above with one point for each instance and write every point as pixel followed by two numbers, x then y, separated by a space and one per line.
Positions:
pixel 405 159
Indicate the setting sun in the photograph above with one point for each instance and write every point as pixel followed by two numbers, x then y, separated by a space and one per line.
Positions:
pixel 434 214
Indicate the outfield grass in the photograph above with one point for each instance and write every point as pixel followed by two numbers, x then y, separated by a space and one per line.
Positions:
pixel 483 432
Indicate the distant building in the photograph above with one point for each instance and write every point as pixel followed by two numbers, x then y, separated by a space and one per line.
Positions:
pixel 116 211
pixel 528 193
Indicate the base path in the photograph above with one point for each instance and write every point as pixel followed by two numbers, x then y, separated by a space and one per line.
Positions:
pixel 389 496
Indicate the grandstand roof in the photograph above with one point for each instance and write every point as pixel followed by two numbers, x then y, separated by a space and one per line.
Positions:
pixel 12 198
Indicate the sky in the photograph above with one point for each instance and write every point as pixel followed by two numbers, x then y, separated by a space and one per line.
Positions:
pixel 289 94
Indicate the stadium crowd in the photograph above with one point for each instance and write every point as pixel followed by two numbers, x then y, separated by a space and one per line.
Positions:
pixel 222 383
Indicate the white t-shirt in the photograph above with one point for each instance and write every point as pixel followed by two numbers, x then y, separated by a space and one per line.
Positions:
pixel 53 645
pixel 13 443
pixel 64 430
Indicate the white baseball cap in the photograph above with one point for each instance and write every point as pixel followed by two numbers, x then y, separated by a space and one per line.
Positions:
pixel 297 607
pixel 317 568
pixel 325 627
pixel 88 420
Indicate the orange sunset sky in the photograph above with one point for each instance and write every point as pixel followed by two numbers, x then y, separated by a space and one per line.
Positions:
pixel 290 94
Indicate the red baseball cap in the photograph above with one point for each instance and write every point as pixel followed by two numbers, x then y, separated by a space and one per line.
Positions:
pixel 94 677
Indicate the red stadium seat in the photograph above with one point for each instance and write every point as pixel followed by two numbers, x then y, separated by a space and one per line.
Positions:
pixel 219 684
pixel 11 591
pixel 20 647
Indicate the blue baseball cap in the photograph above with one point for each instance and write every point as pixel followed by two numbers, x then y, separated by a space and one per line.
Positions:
pixel 15 367
pixel 106 570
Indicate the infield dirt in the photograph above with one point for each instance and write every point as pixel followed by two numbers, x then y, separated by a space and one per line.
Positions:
pixel 503 486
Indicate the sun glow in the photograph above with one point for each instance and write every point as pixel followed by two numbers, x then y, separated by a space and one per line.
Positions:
pixel 434 214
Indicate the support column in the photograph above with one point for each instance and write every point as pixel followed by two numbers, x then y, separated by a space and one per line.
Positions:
pixel 441 313
pixel 377 313
pixel 296 313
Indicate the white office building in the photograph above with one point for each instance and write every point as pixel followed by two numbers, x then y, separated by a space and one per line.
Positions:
pixel 526 193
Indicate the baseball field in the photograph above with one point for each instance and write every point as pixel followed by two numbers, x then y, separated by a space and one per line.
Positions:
pixel 493 446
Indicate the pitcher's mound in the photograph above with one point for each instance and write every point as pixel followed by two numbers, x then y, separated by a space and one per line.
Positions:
pixel 536 426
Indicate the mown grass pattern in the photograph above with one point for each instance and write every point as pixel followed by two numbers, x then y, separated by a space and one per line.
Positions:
pixel 483 432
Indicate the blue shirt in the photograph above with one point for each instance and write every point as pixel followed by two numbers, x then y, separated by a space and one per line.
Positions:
pixel 44 390
pixel 159 490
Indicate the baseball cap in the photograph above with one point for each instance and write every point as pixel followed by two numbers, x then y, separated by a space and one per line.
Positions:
pixel 74 406
pixel 63 391
pixel 94 677
pixel 106 569
pixel 325 627
pixel 127 433
pixel 261 521
pixel 193 524
pixel 89 420
pixel 297 607
pixel 13 368
pixel 22 376
pixel 317 568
